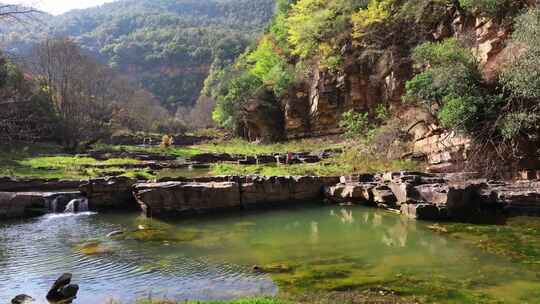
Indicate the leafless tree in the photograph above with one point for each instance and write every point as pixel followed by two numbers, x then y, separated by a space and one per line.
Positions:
pixel 22 107
pixel 79 88
pixel 89 99
pixel 200 116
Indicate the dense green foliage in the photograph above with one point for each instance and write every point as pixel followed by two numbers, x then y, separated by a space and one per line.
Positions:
pixel 355 124
pixel 300 31
pixel 263 65
pixel 523 77
pixel 167 45
pixel 522 81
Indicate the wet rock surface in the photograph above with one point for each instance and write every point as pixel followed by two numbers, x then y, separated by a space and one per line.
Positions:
pixel 423 196
pixel 62 290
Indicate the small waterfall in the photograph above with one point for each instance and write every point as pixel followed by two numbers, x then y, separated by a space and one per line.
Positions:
pixel 77 205
pixel 52 205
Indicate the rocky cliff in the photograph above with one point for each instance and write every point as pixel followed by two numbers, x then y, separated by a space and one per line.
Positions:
pixel 371 76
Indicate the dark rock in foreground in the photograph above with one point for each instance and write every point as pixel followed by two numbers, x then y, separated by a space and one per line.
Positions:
pixel 62 290
pixel 22 299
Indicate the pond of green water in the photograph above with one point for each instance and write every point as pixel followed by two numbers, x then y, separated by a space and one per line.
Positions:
pixel 295 251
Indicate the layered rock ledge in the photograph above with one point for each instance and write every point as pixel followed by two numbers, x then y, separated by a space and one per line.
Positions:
pixel 166 199
pixel 439 196
pixel 423 196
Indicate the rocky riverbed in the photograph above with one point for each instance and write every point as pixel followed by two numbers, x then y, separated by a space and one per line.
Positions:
pixel 457 197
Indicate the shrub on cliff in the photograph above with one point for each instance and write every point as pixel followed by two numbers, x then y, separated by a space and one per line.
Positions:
pixel 521 79
pixel 236 92
pixel 355 124
pixel 367 19
pixel 315 26
pixel 450 85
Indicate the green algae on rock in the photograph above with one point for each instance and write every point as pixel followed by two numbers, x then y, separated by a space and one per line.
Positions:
pixel 94 248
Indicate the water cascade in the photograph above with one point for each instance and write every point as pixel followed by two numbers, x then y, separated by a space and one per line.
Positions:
pixel 52 205
pixel 77 205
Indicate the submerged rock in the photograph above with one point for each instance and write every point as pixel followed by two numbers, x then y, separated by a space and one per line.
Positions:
pixel 94 248
pixel 276 268
pixel 22 299
pixel 162 235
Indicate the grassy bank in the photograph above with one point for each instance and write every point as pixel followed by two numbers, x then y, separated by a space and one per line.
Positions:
pixel 347 163
pixel 48 161
pixel 170 151
pixel 238 146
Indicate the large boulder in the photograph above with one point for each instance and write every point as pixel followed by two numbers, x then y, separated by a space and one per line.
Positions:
pixel 266 190
pixel 202 195
pixel 16 204
pixel 181 198
pixel 522 197
pixel 261 191
pixel 383 195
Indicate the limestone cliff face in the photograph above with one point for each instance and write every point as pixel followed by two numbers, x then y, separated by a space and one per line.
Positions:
pixel 370 77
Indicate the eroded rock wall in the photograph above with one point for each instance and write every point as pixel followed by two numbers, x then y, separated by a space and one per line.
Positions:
pixel 370 77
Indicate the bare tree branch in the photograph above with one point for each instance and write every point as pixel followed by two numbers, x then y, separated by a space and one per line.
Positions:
pixel 17 13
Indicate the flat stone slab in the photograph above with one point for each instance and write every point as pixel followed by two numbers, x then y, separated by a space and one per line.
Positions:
pixel 12 184
pixel 178 198
pixel 202 195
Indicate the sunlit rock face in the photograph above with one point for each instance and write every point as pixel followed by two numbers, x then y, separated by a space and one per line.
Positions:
pixel 178 198
pixel 314 106
pixel 169 199
pixel 368 79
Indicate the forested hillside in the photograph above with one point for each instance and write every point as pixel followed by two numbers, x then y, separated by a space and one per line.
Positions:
pixel 167 46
